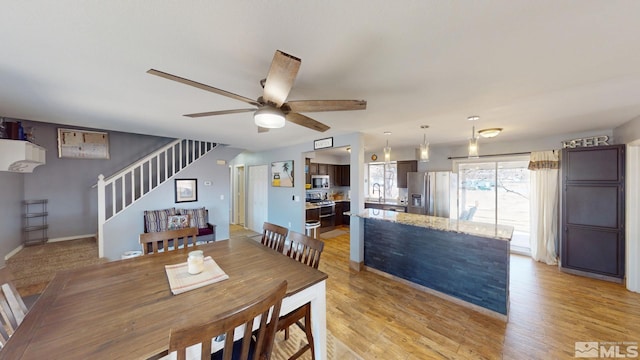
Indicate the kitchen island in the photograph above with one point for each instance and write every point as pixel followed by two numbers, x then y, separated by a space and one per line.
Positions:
pixel 463 261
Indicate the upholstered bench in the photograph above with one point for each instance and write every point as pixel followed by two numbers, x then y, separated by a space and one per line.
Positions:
pixel 159 220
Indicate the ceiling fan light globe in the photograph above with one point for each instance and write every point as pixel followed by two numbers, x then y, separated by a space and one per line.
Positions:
pixel 489 133
pixel 269 117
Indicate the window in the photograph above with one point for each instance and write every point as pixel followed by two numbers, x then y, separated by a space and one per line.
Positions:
pixel 497 192
pixel 382 180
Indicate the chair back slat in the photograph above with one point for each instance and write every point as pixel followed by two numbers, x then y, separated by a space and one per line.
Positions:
pixel 15 302
pixel 243 315
pixel 9 322
pixel 274 236
pixel 305 249
pixel 168 240
pixel 12 307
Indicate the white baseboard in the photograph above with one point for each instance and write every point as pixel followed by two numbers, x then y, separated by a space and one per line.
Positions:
pixel 72 237
pixel 13 252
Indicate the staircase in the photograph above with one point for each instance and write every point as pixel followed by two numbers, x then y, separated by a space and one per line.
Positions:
pixel 121 190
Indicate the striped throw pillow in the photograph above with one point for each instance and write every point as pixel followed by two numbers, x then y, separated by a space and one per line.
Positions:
pixel 198 217
pixel 158 220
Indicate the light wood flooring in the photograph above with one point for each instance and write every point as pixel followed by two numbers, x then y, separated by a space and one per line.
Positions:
pixel 379 318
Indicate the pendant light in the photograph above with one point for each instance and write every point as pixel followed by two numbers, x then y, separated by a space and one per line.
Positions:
pixel 424 147
pixel 473 142
pixel 387 149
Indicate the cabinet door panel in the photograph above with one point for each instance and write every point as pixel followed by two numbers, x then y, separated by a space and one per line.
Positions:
pixel 403 167
pixel 593 165
pixel 593 250
pixel 592 205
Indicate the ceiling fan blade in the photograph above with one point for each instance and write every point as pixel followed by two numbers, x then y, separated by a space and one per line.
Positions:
pixel 306 122
pixel 282 74
pixel 202 86
pixel 221 112
pixel 262 129
pixel 324 105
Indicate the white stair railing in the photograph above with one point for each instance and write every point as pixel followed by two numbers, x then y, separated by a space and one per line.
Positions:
pixel 122 189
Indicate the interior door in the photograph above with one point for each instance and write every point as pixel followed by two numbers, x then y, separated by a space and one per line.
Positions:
pixel 239 196
pixel 593 211
pixel 257 196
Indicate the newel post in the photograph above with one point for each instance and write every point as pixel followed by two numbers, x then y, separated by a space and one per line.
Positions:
pixel 101 215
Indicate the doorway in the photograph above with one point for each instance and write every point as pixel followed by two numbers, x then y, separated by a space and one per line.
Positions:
pixel 257 196
pixel 497 192
pixel 239 196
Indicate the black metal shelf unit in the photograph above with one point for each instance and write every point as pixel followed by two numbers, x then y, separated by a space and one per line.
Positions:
pixel 34 227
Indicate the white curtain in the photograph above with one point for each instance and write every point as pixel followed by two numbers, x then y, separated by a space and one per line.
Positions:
pixel 544 206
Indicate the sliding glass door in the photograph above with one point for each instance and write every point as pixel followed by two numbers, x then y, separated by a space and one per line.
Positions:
pixel 497 192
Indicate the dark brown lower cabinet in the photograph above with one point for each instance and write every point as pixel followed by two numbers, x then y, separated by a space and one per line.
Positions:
pixel 339 211
pixel 593 218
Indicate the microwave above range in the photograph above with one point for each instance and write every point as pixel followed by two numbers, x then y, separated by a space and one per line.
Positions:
pixel 320 182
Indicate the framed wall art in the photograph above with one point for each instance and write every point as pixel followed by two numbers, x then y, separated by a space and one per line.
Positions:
pixel 81 144
pixel 282 173
pixel 186 190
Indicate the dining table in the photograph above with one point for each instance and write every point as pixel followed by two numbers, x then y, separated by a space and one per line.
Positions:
pixel 125 309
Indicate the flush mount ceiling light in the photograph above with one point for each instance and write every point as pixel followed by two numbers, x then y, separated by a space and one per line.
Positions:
pixel 473 142
pixel 387 149
pixel 489 133
pixel 269 117
pixel 424 147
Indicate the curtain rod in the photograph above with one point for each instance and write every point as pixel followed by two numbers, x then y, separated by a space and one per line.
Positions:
pixel 481 156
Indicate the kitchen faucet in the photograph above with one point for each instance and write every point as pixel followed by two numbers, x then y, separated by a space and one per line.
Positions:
pixel 379 192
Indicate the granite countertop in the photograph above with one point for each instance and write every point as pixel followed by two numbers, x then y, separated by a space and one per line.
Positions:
pixel 309 205
pixel 500 232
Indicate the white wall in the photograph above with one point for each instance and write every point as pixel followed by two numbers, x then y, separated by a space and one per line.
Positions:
pixel 628 132
pixel 283 209
pixel 121 232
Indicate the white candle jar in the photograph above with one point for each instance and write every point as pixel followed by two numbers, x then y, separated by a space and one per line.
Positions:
pixel 195 262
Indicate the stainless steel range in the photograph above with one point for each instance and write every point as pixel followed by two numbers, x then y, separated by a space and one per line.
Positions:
pixel 327 213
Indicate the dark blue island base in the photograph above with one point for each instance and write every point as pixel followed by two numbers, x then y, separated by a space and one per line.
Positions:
pixel 458 266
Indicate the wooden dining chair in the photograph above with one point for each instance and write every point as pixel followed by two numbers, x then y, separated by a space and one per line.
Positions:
pixel 7 319
pixel 306 250
pixel 12 295
pixel 274 236
pixel 255 344
pixel 12 307
pixel 167 240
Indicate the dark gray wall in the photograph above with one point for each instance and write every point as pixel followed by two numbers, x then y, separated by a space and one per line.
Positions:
pixel 12 188
pixel 67 183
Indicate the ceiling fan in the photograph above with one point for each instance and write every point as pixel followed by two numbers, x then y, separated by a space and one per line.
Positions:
pixel 271 109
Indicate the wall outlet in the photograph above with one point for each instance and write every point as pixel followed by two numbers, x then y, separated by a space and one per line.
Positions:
pixel 221 197
pixel 289 224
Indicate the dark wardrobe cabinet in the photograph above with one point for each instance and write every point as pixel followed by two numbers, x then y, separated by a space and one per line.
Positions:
pixel 593 212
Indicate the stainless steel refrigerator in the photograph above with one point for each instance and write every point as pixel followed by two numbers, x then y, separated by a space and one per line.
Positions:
pixel 431 193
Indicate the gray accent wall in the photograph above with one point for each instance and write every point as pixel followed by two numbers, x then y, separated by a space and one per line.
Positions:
pixel 67 183
pixel 11 210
